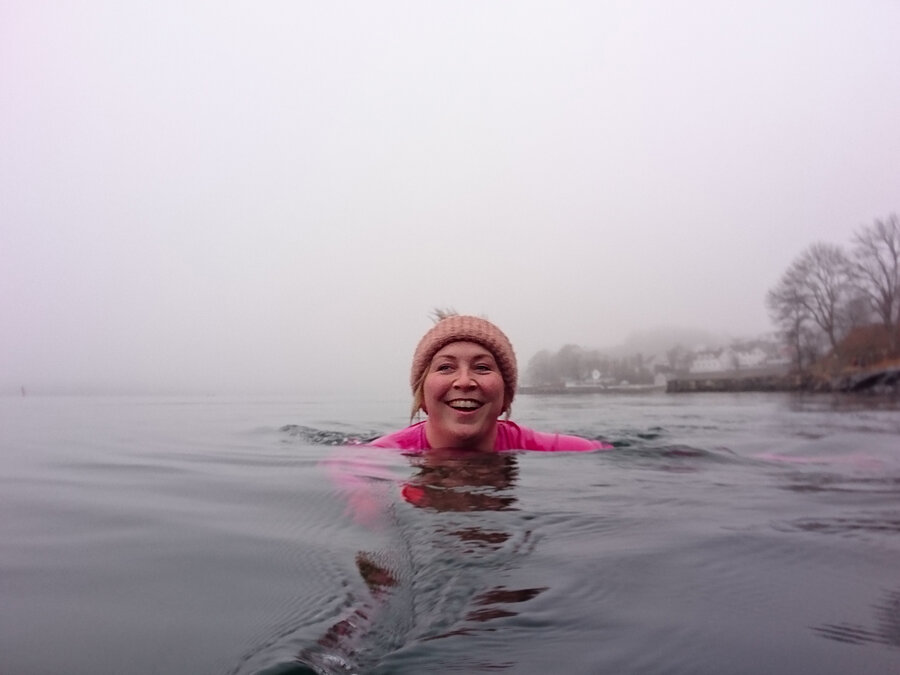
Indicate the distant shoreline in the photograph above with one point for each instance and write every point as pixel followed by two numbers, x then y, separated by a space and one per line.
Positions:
pixel 879 381
pixel 591 389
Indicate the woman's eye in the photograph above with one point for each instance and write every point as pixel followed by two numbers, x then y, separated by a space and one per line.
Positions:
pixel 443 368
pixel 483 367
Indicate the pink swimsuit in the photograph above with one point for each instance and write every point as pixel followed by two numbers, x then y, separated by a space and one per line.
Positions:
pixel 510 436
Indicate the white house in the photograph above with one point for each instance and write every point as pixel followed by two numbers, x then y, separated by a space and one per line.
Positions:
pixel 729 359
pixel 709 362
pixel 751 359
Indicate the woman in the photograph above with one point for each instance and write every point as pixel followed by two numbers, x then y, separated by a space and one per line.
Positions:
pixel 464 377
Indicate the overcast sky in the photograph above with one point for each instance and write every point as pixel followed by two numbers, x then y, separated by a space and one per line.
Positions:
pixel 220 196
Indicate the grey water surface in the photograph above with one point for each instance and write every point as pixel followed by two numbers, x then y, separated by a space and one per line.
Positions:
pixel 746 533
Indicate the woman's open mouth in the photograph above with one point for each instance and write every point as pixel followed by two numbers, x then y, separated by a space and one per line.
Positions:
pixel 464 404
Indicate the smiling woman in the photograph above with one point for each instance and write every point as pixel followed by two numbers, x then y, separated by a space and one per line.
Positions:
pixel 464 377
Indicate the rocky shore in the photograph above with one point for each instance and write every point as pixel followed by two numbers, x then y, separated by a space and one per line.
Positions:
pixel 880 381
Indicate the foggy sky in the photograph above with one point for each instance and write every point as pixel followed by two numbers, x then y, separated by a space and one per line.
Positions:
pixel 273 196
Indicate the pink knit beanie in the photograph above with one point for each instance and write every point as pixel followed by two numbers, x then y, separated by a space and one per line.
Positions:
pixel 457 328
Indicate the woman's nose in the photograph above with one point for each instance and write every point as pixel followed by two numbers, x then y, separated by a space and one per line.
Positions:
pixel 464 379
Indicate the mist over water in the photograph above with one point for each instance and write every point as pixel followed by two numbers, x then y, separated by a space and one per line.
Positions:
pixel 272 199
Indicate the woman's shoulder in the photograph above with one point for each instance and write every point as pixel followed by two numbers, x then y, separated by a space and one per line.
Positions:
pixel 410 438
pixel 512 436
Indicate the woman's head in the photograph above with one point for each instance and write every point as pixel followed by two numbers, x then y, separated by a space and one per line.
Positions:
pixel 456 328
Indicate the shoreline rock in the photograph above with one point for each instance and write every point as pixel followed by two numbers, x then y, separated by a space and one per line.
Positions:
pixel 882 381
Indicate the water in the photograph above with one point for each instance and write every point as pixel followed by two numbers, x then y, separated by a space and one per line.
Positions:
pixel 724 534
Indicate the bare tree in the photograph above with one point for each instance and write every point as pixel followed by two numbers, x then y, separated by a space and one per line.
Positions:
pixel 876 271
pixel 826 270
pixel 790 314
pixel 815 288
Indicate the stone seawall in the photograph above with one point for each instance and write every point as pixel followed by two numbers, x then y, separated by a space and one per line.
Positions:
pixel 875 381
pixel 723 384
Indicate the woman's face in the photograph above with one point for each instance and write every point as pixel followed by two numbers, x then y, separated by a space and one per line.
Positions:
pixel 463 395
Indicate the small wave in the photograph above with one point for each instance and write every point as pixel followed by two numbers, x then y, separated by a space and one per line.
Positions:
pixel 326 436
pixel 834 482
pixel 886 632
pixel 888 523
pixel 628 437
pixel 677 451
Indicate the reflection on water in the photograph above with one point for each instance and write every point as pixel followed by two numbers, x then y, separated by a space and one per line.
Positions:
pixel 489 607
pixel 886 632
pixel 456 480
pixel 448 488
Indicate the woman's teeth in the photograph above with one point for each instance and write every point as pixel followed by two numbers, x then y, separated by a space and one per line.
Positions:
pixel 464 405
